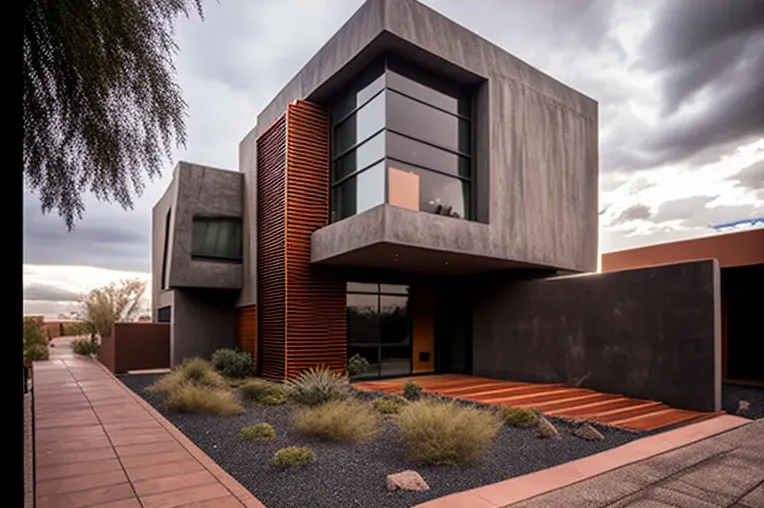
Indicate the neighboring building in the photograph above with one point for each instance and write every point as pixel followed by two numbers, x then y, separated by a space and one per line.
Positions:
pixel 411 196
pixel 741 260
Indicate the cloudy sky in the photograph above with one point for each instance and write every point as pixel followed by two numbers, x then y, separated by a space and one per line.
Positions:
pixel 679 84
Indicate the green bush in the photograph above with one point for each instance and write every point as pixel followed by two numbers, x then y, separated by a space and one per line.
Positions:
pixel 85 347
pixel 338 420
pixel 316 386
pixel 194 398
pixel 293 456
pixel 519 417
pixel 389 405
pixel 232 363
pixel 262 392
pixel 411 390
pixel 357 364
pixel 258 432
pixel 35 345
pixel 446 433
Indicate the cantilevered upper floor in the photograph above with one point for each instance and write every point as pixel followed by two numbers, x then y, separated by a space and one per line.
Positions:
pixel 446 152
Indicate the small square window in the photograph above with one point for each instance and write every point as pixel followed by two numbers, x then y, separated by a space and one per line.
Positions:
pixel 216 238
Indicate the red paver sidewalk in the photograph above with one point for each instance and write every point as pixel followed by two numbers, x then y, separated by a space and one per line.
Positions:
pixel 97 444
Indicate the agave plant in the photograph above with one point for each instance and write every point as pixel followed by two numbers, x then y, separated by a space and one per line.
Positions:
pixel 317 385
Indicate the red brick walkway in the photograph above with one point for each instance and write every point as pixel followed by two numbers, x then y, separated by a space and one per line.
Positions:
pixel 100 445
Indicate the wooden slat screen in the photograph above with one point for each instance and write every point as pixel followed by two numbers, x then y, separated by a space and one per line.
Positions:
pixel 246 331
pixel 315 302
pixel 271 247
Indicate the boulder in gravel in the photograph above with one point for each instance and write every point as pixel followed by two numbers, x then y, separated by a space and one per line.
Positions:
pixel 586 431
pixel 406 480
pixel 546 429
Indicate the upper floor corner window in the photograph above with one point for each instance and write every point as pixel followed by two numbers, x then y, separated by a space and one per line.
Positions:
pixel 402 137
pixel 216 238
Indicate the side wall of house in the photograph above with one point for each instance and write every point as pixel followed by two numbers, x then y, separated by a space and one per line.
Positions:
pixel 202 322
pixel 650 333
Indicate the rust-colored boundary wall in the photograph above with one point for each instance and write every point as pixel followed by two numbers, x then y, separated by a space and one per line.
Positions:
pixel 302 311
pixel 246 331
pixel 742 248
pixel 136 346
pixel 651 333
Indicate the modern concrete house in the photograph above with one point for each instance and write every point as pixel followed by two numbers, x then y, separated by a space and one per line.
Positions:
pixel 420 197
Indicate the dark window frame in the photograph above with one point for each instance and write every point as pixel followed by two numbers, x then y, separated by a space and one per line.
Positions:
pixel 238 258
pixel 379 292
pixel 395 64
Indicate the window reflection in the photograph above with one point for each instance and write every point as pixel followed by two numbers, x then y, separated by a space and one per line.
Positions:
pixel 363 318
pixel 439 194
pixel 360 125
pixel 360 193
pixel 427 156
pixel 366 154
pixel 420 121
pixel 393 318
pixel 370 84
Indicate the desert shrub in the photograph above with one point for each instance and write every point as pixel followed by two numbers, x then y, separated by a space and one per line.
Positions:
pixel 446 433
pixel 411 390
pixel 316 386
pixel 192 371
pixel 85 347
pixel 258 432
pixel 262 392
pixel 35 353
pixel 338 420
pixel 519 417
pixel 293 456
pixel 196 398
pixel 35 346
pixel 232 363
pixel 357 364
pixel 75 329
pixel 389 405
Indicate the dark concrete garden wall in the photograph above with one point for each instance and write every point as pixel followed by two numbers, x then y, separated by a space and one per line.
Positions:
pixel 650 333
pixel 202 322
pixel 140 346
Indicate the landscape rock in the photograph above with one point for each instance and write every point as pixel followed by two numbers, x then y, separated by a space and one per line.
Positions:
pixel 406 480
pixel 546 429
pixel 586 431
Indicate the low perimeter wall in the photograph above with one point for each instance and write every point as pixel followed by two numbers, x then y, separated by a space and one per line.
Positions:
pixel 136 346
pixel 649 333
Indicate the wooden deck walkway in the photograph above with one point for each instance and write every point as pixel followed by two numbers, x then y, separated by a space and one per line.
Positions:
pixel 552 399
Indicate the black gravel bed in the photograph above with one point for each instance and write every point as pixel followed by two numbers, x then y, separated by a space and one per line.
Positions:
pixel 354 475
pixel 733 394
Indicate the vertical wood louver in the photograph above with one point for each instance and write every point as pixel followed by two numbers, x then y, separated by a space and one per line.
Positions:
pixel 315 302
pixel 302 311
pixel 246 331
pixel 271 246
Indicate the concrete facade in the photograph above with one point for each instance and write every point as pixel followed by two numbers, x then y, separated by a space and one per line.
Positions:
pixel 536 142
pixel 500 307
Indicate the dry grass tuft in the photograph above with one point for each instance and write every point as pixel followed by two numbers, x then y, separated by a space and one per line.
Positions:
pixel 192 371
pixel 345 420
pixel 193 398
pixel 293 456
pixel 389 405
pixel 519 417
pixel 446 433
pixel 262 392
pixel 258 432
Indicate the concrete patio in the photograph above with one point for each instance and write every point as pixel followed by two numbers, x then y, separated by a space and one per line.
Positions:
pixel 99 445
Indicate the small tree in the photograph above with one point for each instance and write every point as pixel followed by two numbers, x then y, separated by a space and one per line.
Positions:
pixel 102 307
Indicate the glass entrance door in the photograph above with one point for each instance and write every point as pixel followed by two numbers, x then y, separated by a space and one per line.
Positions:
pixel 379 328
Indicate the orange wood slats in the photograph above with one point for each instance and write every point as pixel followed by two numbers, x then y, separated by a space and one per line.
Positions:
pixel 246 331
pixel 271 247
pixel 315 302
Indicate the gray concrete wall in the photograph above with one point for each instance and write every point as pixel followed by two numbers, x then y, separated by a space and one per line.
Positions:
pixel 202 322
pixel 537 145
pixel 159 232
pixel 650 333
pixel 247 167
pixel 203 190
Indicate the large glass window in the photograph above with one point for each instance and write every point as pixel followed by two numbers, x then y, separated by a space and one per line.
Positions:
pixel 398 118
pixel 216 238
pixel 378 328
